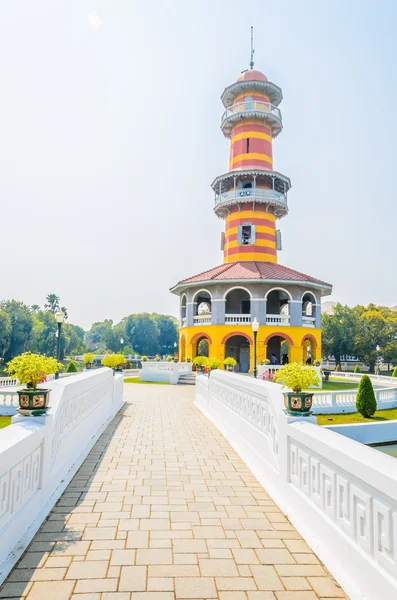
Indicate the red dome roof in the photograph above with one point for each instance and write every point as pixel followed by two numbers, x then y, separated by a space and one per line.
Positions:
pixel 252 75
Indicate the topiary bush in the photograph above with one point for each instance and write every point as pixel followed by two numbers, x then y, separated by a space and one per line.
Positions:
pixel 356 369
pixel 366 400
pixel 71 367
pixel 394 374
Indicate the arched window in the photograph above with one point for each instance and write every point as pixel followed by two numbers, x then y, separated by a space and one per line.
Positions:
pixel 248 103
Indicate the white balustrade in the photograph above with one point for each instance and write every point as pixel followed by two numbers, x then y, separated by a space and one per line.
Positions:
pixel 40 455
pixel 165 371
pixel 252 107
pixel 308 321
pixel 277 320
pixel 341 495
pixel 202 319
pixel 8 402
pixel 8 381
pixel 237 319
pixel 257 194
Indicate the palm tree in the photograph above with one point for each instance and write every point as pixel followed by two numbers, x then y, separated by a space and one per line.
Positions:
pixel 65 312
pixel 52 303
pixel 35 308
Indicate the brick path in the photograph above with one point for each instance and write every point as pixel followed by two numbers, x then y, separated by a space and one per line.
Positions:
pixel 163 508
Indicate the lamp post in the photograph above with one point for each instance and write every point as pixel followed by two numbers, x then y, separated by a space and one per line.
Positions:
pixel 255 327
pixel 378 357
pixel 59 317
pixel 121 344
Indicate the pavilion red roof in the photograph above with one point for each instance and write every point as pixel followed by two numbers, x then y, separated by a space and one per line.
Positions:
pixel 252 270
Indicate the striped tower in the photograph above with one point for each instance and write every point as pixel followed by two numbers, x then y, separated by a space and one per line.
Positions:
pixel 251 196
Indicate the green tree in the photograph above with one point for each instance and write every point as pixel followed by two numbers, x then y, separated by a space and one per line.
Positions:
pixel 52 303
pixel 365 399
pixel 339 331
pixel 142 333
pixel 35 308
pixel 94 337
pixel 5 332
pixel 21 326
pixel 356 369
pixel 168 332
pixel 389 353
pixel 377 326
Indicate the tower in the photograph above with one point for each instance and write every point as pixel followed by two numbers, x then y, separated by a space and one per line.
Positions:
pixel 218 306
pixel 251 196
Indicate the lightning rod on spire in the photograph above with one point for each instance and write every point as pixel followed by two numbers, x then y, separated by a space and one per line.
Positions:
pixel 252 48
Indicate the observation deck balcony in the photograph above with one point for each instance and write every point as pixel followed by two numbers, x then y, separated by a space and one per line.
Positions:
pixel 260 195
pixel 263 111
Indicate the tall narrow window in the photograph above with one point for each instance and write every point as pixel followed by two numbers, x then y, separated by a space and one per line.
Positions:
pixel 248 145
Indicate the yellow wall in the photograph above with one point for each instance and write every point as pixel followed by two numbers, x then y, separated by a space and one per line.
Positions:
pixel 217 333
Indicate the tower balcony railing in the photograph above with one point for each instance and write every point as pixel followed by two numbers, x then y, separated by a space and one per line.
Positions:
pixel 253 108
pixel 202 319
pixel 257 194
pixel 277 320
pixel 308 321
pixel 237 319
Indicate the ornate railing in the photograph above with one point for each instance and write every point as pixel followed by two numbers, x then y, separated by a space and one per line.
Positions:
pixel 257 194
pixel 308 321
pixel 252 107
pixel 277 319
pixel 236 319
pixel 202 319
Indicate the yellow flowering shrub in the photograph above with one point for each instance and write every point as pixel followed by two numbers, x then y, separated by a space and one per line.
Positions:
pixel 31 369
pixel 88 357
pixel 297 377
pixel 113 360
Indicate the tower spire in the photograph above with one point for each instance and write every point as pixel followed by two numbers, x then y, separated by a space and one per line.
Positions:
pixel 252 48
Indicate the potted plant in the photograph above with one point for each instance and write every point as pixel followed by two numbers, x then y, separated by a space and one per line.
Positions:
pixel 199 362
pixel 144 358
pixel 176 357
pixel 88 358
pixel 189 359
pixel 230 363
pixel 32 369
pixel 157 358
pixel 115 361
pixel 169 358
pixel 211 364
pixel 264 361
pixel 297 377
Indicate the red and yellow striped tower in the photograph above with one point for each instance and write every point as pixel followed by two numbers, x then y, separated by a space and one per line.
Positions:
pixel 251 196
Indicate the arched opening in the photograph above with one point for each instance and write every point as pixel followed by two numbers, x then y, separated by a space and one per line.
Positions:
pixel 278 349
pixel 237 306
pixel 238 347
pixel 201 344
pixel 309 309
pixel 277 307
pixel 183 310
pixel 182 348
pixel 202 308
pixel 309 345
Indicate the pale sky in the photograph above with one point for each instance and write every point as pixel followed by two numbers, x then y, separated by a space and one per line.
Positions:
pixel 110 139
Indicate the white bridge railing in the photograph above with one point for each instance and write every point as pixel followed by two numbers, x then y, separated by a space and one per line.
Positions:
pixel 40 455
pixel 164 371
pixel 341 495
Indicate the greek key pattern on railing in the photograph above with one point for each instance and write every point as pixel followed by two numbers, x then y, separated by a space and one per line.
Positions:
pixel 74 410
pixel 353 506
pixel 18 484
pixel 256 410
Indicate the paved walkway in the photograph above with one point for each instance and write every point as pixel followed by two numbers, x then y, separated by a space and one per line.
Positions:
pixel 163 508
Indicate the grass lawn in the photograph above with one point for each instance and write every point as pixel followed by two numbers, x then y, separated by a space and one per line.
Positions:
pixel 4 421
pixel 335 386
pixel 389 414
pixel 137 380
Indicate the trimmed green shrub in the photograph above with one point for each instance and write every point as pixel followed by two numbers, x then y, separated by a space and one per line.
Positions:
pixel 394 374
pixel 71 367
pixel 356 369
pixel 338 368
pixel 366 400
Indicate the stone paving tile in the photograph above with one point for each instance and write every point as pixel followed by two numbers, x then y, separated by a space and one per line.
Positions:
pixel 164 509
